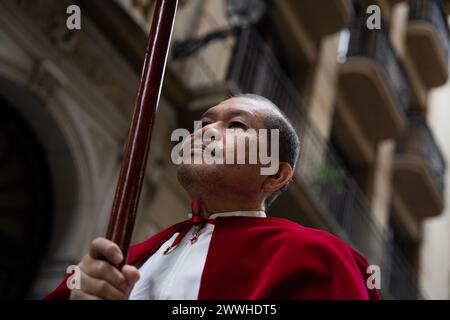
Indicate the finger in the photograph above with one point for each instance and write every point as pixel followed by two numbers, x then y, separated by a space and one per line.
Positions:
pixel 100 288
pixel 80 295
pixel 102 248
pixel 103 270
pixel 131 274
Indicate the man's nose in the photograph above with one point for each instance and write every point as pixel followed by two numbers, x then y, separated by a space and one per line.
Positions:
pixel 212 130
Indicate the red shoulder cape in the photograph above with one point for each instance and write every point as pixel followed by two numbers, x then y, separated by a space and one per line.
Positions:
pixel 268 258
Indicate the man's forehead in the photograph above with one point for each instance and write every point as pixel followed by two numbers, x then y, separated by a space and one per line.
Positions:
pixel 240 106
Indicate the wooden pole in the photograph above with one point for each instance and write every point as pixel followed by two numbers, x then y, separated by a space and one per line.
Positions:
pixel 129 185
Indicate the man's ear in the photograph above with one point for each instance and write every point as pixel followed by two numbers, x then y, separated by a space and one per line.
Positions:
pixel 278 180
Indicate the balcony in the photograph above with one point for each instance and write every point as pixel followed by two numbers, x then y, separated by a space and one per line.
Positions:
pixel 324 192
pixel 419 171
pixel 302 24
pixel 372 82
pixel 331 187
pixel 427 39
pixel 322 17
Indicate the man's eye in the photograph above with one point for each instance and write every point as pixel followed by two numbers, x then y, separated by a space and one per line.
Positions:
pixel 237 124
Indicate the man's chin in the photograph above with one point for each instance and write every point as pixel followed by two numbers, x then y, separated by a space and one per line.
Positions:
pixel 201 169
pixel 193 173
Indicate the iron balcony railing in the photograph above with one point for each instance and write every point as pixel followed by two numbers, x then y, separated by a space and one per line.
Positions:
pixel 254 69
pixel 433 12
pixel 374 44
pixel 418 140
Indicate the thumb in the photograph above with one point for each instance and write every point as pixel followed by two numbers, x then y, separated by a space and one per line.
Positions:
pixel 131 274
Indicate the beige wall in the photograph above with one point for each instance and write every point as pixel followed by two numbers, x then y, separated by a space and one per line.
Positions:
pixel 435 251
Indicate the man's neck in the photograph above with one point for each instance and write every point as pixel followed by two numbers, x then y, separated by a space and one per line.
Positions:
pixel 209 207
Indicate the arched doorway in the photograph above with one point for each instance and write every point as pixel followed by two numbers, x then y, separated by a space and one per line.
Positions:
pixel 25 203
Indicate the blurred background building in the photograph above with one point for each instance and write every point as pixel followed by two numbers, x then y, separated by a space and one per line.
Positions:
pixel 372 107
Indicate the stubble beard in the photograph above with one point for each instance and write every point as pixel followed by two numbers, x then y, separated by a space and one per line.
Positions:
pixel 198 179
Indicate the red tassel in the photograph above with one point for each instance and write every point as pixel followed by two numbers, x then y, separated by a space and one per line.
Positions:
pixel 196 221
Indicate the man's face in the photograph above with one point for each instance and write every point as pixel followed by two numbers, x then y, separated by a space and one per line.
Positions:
pixel 236 116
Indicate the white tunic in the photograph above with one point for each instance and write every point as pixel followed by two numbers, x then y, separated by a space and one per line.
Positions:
pixel 177 275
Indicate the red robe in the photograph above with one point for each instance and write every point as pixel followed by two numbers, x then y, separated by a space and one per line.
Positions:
pixel 267 258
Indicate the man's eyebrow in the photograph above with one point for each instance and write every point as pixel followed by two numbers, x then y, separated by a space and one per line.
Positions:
pixel 206 114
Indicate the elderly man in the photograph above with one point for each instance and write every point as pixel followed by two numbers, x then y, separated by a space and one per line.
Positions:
pixel 229 249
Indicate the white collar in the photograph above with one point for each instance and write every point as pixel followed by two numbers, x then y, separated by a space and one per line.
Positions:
pixel 259 214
